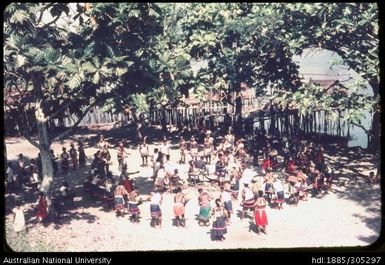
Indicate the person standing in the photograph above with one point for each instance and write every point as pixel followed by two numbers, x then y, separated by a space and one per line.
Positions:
pixel 280 193
pixel 205 208
pixel 42 208
pixel 156 212
pixel 226 201
pixel 179 207
pixel 53 161
pixel 144 152
pixel 74 156
pixel 193 148
pixel 18 219
pixel 21 174
pixel 82 155
pixel 219 228
pixel 248 200
pixel 165 149
pixel 260 216
pixel 182 148
pixel 119 194
pixel 64 160
pixel 133 202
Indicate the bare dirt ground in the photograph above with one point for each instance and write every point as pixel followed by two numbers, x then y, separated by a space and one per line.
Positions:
pixel 348 216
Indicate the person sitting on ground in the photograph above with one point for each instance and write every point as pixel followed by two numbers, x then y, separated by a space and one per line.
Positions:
pixel 200 164
pixel 279 192
pixel 65 194
pixel 96 179
pixel 291 168
pixel 372 178
pixel 193 172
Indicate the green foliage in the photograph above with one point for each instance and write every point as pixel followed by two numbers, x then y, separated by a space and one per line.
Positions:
pixel 142 54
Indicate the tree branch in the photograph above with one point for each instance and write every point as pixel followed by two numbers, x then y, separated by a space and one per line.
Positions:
pixel 12 73
pixel 69 130
pixel 42 13
pixel 52 22
pixel 25 132
pixel 9 106
pixel 31 141
pixel 356 124
pixel 53 115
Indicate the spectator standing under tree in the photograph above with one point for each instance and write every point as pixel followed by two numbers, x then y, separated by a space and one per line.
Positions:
pixel 82 155
pixel 64 161
pixel 144 152
pixel 74 156
pixel 18 219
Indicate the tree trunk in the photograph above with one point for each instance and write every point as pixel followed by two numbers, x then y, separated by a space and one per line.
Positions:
pixel 238 132
pixel 286 122
pixel 164 121
pixel 374 143
pixel 44 146
pixel 296 120
pixel 5 154
pixel 261 120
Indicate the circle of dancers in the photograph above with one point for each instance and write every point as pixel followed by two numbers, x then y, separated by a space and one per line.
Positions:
pixel 258 173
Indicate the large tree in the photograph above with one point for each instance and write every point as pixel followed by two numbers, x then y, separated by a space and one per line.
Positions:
pixel 239 47
pixel 351 31
pixel 97 58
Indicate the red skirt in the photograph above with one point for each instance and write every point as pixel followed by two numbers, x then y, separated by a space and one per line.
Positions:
pixel 178 209
pixel 260 217
pixel 42 212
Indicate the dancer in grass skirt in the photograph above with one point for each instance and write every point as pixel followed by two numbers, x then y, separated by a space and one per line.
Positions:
pixel 219 228
pixel 260 216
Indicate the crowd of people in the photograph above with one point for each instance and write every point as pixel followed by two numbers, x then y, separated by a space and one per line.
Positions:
pixel 255 173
